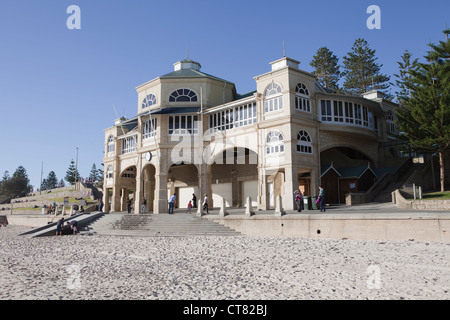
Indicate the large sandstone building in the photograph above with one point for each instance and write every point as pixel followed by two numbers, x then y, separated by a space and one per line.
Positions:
pixel 194 134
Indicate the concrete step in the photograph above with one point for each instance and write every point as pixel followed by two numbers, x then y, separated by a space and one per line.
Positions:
pixel 180 224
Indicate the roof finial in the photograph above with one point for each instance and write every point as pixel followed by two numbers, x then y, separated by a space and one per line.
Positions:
pixel 284 50
pixel 187 54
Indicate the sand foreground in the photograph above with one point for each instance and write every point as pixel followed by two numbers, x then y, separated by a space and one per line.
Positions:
pixel 244 267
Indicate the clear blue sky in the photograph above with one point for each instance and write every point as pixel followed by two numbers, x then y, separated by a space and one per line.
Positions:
pixel 58 86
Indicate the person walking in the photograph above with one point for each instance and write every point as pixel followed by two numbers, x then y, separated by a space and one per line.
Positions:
pixel 205 204
pixel 189 207
pixel 298 199
pixel 322 199
pixel 172 203
pixel 128 205
pixel 143 207
pixel 100 206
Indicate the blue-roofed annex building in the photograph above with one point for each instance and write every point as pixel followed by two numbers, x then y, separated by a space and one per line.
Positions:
pixel 193 133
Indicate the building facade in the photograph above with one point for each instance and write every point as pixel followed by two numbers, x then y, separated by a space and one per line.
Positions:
pixel 194 134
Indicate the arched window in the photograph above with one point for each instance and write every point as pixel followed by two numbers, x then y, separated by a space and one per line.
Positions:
pixel 110 144
pixel 304 142
pixel 390 123
pixel 129 173
pixel 183 95
pixel 274 142
pixel 272 98
pixel 302 99
pixel 149 101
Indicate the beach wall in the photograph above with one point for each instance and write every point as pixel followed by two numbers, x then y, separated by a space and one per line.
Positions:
pixel 356 226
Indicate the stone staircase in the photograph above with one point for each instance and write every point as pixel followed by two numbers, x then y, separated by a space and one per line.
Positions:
pixel 178 224
pixel 385 194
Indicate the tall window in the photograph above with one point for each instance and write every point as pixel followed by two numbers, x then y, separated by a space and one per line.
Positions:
pixel 302 100
pixel 109 171
pixel 149 129
pixel 149 101
pixel 110 144
pixel 274 142
pixel 183 95
pixel 348 112
pixel 326 110
pixel 272 98
pixel 304 144
pixel 183 125
pixel 338 111
pixel 390 123
pixel 129 144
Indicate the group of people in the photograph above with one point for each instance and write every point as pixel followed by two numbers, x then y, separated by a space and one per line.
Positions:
pixel 192 203
pixel 73 225
pixel 320 199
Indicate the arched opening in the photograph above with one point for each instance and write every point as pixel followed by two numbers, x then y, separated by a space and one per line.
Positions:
pixel 345 170
pixel 182 180
pixel 127 185
pixel 234 177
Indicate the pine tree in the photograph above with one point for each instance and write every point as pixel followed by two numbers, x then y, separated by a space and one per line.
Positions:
pixel 16 186
pixel 362 73
pixel 424 118
pixel 52 181
pixel 71 173
pixel 404 78
pixel 94 173
pixel 326 67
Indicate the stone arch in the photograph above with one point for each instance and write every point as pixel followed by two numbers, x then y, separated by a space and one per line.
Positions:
pixel 234 176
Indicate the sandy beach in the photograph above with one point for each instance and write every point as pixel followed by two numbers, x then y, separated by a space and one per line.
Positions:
pixel 199 268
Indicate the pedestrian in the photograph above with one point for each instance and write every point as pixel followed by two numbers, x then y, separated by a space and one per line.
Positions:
pixel 144 204
pixel 100 206
pixel 189 207
pixel 194 201
pixel 59 226
pixel 205 204
pixel 298 199
pixel 172 203
pixel 322 199
pixel 128 205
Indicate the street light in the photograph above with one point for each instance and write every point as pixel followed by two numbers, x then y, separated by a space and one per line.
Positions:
pixel 76 170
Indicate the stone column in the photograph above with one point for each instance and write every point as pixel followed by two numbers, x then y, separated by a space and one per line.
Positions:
pixel 106 206
pixel 290 185
pixel 138 192
pixel 315 182
pixel 115 201
pixel 262 189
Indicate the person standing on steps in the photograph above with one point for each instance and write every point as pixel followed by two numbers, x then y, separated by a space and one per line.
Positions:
pixel 128 205
pixel 144 204
pixel 172 203
pixel 194 201
pixel 205 204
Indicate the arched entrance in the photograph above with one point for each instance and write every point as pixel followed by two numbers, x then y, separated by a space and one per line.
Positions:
pixel 345 170
pixel 234 177
pixel 127 185
pixel 182 180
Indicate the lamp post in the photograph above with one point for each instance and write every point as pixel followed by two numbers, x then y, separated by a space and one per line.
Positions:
pixel 76 171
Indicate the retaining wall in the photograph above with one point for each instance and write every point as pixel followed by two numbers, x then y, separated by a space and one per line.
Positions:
pixel 399 200
pixel 349 226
